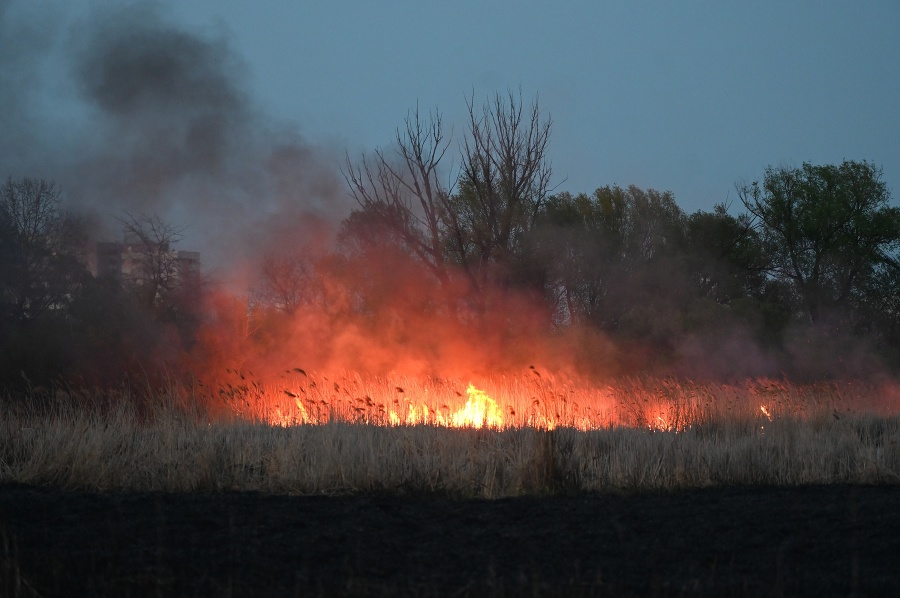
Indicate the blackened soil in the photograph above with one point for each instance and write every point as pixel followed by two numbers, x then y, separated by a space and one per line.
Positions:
pixel 836 540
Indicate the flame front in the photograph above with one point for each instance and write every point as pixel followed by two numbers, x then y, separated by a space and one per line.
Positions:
pixel 532 401
pixel 480 411
pixel 538 401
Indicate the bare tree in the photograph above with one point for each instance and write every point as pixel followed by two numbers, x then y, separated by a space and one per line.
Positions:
pixel 287 282
pixel 39 270
pixel 503 184
pixel 150 266
pixel 404 193
pixel 501 188
pixel 33 209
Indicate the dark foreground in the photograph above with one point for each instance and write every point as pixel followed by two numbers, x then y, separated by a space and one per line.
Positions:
pixel 835 540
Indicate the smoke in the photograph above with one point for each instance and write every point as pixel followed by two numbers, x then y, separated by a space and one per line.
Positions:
pixel 26 36
pixel 130 112
pixel 169 104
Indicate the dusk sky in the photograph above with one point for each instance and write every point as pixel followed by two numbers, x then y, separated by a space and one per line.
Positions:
pixel 683 96
pixel 690 97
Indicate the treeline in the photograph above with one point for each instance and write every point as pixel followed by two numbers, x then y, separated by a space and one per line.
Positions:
pixel 804 282
pixel 59 323
pixel 802 278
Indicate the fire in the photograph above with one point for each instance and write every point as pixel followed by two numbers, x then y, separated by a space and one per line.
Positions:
pixel 542 401
pixel 418 414
pixel 480 411
pixel 507 401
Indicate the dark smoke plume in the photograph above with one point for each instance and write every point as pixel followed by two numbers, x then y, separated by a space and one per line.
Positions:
pixel 157 120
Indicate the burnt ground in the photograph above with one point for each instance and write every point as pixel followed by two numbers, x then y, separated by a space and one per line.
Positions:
pixel 835 540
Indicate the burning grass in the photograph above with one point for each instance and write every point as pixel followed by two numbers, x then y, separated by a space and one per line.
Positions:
pixel 315 434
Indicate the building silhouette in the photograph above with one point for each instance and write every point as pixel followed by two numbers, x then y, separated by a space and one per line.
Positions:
pixel 134 262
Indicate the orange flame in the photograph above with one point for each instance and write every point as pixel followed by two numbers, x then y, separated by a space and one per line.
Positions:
pixel 480 411
pixel 543 402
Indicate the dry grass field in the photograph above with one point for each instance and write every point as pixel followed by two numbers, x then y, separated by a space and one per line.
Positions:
pixel 508 438
pixel 322 485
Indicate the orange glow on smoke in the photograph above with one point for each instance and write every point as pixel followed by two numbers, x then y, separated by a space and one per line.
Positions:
pixel 383 343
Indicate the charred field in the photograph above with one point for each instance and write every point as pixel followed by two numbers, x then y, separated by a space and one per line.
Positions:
pixel 762 540
pixel 757 488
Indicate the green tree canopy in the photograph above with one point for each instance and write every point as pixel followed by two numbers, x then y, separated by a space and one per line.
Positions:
pixel 832 229
pixel 610 251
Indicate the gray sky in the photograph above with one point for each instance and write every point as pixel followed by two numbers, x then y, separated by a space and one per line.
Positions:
pixel 258 101
pixel 683 96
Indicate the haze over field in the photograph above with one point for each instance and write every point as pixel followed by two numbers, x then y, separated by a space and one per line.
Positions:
pixel 248 131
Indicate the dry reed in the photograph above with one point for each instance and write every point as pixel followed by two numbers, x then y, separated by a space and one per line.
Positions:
pixel 644 435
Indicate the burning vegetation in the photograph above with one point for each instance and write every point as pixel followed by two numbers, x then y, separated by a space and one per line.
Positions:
pixel 543 402
pixel 316 434
pixel 422 302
